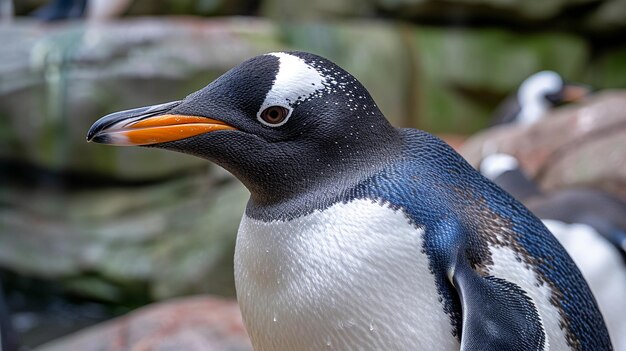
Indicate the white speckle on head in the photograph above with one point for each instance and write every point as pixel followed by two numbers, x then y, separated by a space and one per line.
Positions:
pixel 296 81
pixel 531 95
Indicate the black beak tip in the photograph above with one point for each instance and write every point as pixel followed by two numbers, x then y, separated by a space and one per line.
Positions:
pixel 112 118
pixel 99 139
pixel 89 136
pixel 92 134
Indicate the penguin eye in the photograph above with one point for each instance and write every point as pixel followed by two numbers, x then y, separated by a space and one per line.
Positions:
pixel 274 115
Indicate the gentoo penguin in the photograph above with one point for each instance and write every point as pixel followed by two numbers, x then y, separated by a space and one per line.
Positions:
pixel 537 95
pixel 362 236
pixel 591 226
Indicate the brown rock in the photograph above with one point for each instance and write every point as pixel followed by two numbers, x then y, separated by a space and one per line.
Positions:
pixel 456 141
pixel 577 145
pixel 198 323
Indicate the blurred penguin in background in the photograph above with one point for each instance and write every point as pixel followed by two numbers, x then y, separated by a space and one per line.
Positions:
pixel 536 95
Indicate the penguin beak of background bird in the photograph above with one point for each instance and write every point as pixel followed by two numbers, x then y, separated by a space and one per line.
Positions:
pixel 569 93
pixel 573 92
pixel 150 125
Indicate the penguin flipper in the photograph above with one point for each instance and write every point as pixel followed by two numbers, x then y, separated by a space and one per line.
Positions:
pixel 497 314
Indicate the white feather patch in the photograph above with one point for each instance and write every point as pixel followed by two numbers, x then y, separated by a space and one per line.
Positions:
pixel 295 82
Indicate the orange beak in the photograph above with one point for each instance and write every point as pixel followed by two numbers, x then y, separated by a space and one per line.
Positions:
pixel 150 125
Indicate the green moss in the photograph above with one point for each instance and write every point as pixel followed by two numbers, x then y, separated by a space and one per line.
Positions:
pixel 608 70
pixel 458 71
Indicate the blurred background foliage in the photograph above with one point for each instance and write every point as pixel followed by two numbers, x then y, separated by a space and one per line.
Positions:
pixel 126 226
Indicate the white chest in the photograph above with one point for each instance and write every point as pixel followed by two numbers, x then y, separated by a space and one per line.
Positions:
pixel 351 277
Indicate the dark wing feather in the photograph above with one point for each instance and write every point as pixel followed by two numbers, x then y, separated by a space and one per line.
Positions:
pixel 497 314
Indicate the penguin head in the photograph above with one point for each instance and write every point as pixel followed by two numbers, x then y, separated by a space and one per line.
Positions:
pixel 540 88
pixel 285 120
pixel 544 90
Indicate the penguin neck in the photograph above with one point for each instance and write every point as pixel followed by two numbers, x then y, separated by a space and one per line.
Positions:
pixel 533 106
pixel 530 114
pixel 324 177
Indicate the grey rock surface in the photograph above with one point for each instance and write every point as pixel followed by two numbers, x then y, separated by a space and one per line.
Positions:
pixel 149 242
pixel 55 81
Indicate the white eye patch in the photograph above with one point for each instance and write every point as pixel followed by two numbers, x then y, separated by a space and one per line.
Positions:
pixel 295 82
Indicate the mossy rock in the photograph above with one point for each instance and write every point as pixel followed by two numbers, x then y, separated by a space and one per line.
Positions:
pixel 78 73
